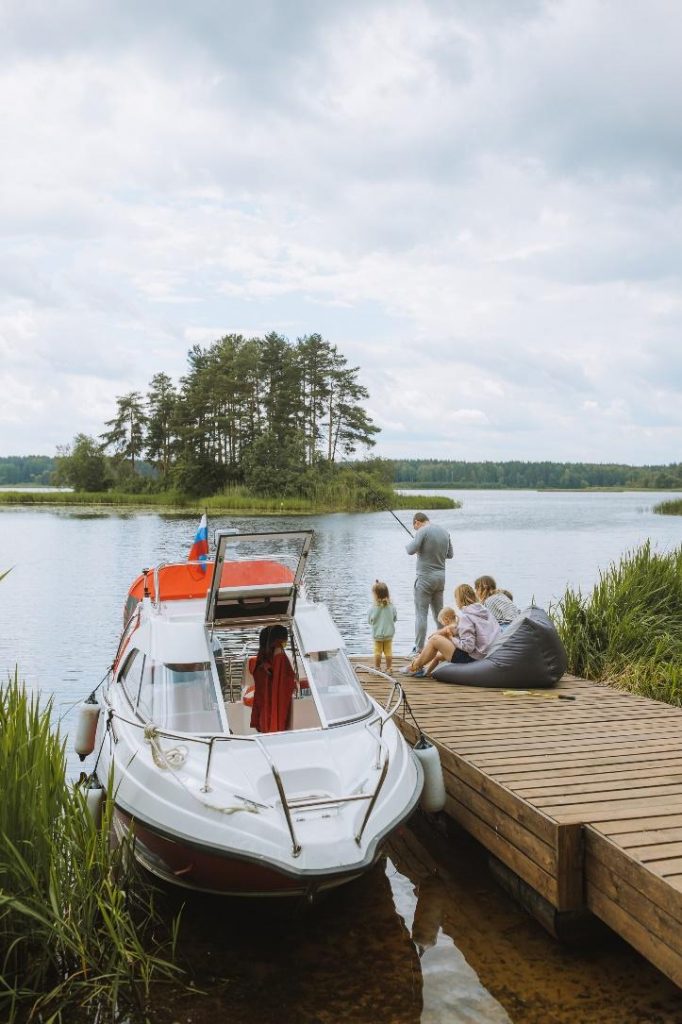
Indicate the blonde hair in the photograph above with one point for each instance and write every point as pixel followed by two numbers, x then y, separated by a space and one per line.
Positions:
pixel 464 595
pixel 485 586
pixel 447 615
pixel 380 592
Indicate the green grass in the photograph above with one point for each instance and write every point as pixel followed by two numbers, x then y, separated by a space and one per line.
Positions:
pixel 669 508
pixel 628 631
pixel 78 927
pixel 235 499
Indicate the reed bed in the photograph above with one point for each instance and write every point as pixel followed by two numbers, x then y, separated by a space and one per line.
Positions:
pixel 669 508
pixel 326 498
pixel 628 631
pixel 79 935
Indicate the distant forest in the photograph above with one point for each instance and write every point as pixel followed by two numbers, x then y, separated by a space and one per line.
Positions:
pixel 26 469
pixel 534 475
pixel 40 469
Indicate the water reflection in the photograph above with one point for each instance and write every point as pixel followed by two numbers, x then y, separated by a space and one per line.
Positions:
pixel 424 938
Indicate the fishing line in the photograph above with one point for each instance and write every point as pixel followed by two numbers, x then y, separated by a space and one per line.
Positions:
pixel 389 509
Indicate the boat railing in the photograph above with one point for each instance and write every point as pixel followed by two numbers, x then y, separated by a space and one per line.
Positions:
pixel 396 689
pixel 287 805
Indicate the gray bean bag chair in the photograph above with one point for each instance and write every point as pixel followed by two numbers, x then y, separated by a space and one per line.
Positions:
pixel 528 655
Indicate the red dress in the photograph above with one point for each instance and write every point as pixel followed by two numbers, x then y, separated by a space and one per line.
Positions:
pixel 275 683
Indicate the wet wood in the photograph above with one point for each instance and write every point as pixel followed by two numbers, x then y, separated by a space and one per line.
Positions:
pixel 580 797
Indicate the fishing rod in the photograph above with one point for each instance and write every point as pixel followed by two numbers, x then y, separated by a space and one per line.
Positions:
pixel 389 509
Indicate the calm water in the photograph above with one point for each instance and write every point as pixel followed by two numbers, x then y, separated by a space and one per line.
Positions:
pixel 407 943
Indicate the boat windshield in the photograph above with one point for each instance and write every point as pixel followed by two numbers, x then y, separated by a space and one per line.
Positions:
pixel 179 697
pixel 336 686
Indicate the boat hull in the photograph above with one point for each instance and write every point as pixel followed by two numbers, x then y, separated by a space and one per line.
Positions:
pixel 182 863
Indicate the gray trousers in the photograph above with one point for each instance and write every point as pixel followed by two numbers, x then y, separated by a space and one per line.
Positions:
pixel 428 593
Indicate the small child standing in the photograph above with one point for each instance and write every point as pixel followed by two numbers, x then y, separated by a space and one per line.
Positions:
pixel 381 617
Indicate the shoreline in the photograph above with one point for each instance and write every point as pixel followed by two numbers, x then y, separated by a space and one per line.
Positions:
pixel 267 507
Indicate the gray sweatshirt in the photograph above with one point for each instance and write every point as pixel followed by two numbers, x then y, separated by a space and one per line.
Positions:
pixel 432 545
pixel 476 630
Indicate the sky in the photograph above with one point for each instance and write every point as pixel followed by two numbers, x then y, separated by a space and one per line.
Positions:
pixel 478 201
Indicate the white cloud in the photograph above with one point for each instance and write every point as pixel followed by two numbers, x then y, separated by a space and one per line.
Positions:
pixel 479 204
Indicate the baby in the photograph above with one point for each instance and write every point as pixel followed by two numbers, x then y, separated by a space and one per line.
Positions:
pixel 447 617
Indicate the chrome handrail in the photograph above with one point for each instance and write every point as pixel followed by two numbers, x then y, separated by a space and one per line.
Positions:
pixel 395 685
pixel 296 846
pixel 375 795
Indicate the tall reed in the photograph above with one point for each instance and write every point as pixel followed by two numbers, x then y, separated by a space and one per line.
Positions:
pixel 669 508
pixel 629 629
pixel 78 928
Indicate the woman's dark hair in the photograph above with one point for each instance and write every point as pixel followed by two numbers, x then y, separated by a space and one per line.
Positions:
pixel 268 638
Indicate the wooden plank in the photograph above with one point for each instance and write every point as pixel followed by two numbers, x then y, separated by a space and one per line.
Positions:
pixel 570 868
pixel 516 777
pixel 488 757
pixel 640 822
pixel 665 867
pixel 644 941
pixel 605 786
pixel 505 824
pixel 648 884
pixel 529 817
pixel 516 859
pixel 651 916
pixel 649 837
pixel 633 795
pixel 590 752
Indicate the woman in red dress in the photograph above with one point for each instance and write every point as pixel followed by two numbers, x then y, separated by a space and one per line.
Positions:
pixel 274 681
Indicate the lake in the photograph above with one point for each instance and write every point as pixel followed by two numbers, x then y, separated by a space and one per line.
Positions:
pixel 400 945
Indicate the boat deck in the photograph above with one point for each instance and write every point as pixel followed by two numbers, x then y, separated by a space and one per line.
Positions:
pixel 577 790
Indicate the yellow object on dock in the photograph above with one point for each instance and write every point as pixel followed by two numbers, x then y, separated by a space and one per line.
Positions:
pixel 579 793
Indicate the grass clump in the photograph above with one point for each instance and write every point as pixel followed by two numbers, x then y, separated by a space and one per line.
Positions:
pixel 628 631
pixel 669 508
pixel 77 923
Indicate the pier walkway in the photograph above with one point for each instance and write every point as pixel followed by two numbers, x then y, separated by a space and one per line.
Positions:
pixel 577 790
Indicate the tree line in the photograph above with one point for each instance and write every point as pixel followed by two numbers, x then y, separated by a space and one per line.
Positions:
pixel 265 413
pixel 26 469
pixel 520 475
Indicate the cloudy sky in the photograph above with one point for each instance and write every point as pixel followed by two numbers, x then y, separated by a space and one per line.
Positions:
pixel 478 201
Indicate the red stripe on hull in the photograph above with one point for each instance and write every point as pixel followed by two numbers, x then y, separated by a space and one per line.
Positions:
pixel 183 864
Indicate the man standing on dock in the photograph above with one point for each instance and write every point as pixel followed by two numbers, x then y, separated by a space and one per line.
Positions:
pixel 432 545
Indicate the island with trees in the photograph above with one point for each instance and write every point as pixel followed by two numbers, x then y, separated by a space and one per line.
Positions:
pixel 267 425
pixel 255 424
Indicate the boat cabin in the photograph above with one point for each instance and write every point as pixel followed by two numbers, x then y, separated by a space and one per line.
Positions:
pixel 188 665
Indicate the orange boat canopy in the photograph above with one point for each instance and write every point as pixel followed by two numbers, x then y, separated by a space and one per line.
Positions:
pixel 186 580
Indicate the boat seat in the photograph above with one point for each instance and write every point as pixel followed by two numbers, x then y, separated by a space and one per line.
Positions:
pixel 304 714
pixel 239 718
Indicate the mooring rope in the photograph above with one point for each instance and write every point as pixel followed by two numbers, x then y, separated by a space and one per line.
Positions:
pixel 175 758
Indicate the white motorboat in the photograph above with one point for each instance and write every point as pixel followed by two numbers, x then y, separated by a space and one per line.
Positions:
pixel 214 804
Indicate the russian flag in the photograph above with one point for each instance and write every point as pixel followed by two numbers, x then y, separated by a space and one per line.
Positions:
pixel 199 550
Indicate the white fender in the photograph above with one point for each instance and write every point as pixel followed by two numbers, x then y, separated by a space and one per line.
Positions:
pixel 433 794
pixel 86 727
pixel 93 797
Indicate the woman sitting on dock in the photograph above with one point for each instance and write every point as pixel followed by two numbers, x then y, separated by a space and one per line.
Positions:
pixel 499 602
pixel 475 630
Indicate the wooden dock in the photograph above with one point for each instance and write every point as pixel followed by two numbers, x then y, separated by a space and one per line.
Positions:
pixel 581 798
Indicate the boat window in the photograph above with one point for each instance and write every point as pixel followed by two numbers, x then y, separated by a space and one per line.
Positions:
pixel 130 675
pixel 180 697
pixel 336 685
